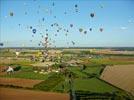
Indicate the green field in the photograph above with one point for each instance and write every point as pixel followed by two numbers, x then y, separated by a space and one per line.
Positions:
pixel 93 85
pixel 27 72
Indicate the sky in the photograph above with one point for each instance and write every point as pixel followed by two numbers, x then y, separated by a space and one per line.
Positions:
pixel 115 17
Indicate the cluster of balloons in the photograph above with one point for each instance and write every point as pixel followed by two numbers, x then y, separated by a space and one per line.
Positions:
pixel 58 28
pixel 76 8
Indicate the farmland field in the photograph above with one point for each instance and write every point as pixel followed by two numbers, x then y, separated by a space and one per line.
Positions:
pixel 93 85
pixel 121 76
pixel 68 70
pixel 12 94
pixel 19 82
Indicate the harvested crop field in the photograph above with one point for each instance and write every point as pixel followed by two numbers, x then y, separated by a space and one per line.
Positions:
pixel 19 82
pixel 18 94
pixel 121 76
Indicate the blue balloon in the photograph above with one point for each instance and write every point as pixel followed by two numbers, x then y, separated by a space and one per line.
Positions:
pixel 30 27
pixel 34 31
pixel 43 19
pixel 1 44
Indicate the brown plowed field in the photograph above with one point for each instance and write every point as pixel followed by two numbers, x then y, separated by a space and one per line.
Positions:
pixel 18 94
pixel 121 76
pixel 19 82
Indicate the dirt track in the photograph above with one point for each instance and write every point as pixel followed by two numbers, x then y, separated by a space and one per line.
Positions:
pixel 17 94
pixel 121 76
pixel 19 82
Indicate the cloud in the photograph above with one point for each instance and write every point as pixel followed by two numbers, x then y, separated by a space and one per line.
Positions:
pixel 123 28
pixel 130 21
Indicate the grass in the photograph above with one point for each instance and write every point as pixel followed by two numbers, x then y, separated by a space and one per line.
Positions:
pixel 27 73
pixel 23 62
pixel 94 70
pixel 108 61
pixel 90 70
pixel 49 83
pixel 59 87
pixel 5 53
pixel 93 85
pixel 77 72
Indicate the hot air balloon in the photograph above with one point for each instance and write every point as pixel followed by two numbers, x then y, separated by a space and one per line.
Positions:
pixel 76 10
pixel 65 13
pixel 46 34
pixel 101 29
pixel 39 44
pixel 73 42
pixel 60 28
pixel 43 19
pixel 1 44
pixel 30 27
pixel 46 30
pixel 76 5
pixel 85 32
pixel 57 24
pixel 101 6
pixel 11 13
pixel 46 38
pixel 25 13
pixel 90 29
pixel 71 25
pixel 34 31
pixel 51 25
pixel 17 53
pixel 80 29
pixel 92 15
pixel 53 4
pixel 66 34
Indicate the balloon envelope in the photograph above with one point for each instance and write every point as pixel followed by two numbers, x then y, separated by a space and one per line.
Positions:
pixel 85 32
pixel 11 13
pixel 1 44
pixel 43 19
pixel 92 15
pixel 76 5
pixel 71 25
pixel 101 29
pixel 80 29
pixel 34 31
pixel 30 27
